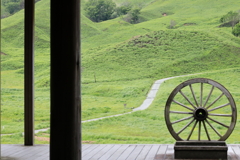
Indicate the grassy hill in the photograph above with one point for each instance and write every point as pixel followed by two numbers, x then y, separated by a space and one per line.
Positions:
pixel 120 61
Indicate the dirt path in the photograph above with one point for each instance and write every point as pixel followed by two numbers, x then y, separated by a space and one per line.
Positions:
pixel 146 103
pixel 149 99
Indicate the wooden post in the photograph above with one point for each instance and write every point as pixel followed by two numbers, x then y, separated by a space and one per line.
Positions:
pixel 29 73
pixel 65 80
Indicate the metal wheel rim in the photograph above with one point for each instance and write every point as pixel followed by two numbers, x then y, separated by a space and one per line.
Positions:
pixel 199 121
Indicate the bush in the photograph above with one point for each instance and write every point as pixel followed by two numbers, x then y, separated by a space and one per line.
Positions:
pixel 236 30
pixel 231 17
pixel 124 9
pixel 172 24
pixel 99 10
pixel 133 16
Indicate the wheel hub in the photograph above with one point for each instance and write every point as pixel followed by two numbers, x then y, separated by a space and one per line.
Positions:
pixel 200 114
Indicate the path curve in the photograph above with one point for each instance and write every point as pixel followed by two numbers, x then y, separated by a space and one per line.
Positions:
pixel 146 103
pixel 149 99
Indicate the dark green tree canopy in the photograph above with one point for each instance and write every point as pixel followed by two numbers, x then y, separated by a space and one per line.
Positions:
pixel 123 9
pixel 9 7
pixel 236 30
pixel 231 18
pixel 99 10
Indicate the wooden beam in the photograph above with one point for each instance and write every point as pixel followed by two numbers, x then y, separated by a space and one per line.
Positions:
pixel 29 73
pixel 65 80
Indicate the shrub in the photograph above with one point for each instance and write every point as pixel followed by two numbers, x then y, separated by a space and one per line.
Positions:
pixel 231 17
pixel 133 16
pixel 236 30
pixel 99 10
pixel 124 9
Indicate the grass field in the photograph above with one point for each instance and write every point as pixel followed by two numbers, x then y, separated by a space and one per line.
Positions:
pixel 149 126
pixel 120 62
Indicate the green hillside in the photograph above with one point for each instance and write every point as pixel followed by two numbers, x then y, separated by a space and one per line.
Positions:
pixel 120 61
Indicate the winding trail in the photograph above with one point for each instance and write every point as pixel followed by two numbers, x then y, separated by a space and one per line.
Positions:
pixel 146 103
pixel 149 99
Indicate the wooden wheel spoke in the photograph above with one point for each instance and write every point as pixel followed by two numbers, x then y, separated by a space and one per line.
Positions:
pixel 218 122
pixel 185 127
pixel 187 99
pixel 204 125
pixel 194 97
pixel 215 100
pixel 179 112
pixel 199 131
pixel 183 119
pixel 209 95
pixel 214 129
pixel 224 105
pixel 192 130
pixel 222 115
pixel 201 95
pixel 183 105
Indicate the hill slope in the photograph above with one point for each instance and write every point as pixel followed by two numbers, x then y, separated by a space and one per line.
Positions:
pixel 120 61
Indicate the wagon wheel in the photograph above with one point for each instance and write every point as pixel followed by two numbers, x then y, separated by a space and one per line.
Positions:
pixel 200 109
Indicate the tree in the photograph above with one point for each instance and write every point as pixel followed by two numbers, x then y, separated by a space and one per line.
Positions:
pixel 134 15
pixel 10 7
pixel 236 30
pixel 99 10
pixel 123 9
pixel 231 18
pixel 13 7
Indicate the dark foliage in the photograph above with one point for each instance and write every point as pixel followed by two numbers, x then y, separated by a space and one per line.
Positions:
pixel 230 18
pixel 236 30
pixel 10 7
pixel 99 10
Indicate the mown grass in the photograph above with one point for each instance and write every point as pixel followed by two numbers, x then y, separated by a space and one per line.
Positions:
pixel 120 61
pixel 149 126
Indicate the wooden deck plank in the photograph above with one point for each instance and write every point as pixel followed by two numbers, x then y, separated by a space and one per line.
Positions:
pixel 236 150
pixel 161 152
pixel 152 153
pixel 6 147
pixel 38 151
pixel 110 152
pixel 127 152
pixel 102 152
pixel 85 146
pixel 144 152
pixel 169 153
pixel 27 153
pixel 89 149
pixel 107 152
pixel 136 152
pixel 94 151
pixel 20 151
pixel 231 154
pixel 118 152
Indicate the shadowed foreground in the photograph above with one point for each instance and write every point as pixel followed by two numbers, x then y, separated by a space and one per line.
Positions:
pixel 105 152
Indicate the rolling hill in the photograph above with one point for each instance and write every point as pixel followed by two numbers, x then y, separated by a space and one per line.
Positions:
pixel 120 60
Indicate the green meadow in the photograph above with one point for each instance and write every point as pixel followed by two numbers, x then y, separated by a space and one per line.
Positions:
pixel 120 62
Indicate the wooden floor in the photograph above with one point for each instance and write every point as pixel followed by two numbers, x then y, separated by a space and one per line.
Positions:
pixel 21 152
pixel 139 152
pixel 104 152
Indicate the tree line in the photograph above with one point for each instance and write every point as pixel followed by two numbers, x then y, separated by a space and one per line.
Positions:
pixel 102 10
pixel 9 7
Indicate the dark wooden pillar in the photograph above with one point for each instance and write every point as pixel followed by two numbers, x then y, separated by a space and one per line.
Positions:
pixel 65 80
pixel 28 73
